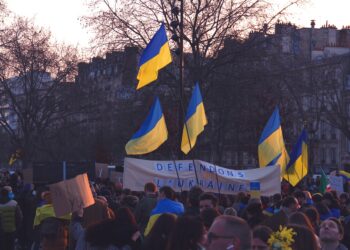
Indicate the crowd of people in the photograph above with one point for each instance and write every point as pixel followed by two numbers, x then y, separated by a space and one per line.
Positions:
pixel 162 219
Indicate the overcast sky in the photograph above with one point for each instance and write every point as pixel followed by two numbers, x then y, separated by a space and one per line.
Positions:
pixel 62 16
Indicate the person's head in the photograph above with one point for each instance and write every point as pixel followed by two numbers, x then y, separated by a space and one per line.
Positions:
pixel 150 187
pixel 230 211
pixel 53 234
pixel 158 236
pixel 125 216
pixel 300 197
pixel 331 230
pixel 313 215
pixel 299 218
pixel 188 234
pixel 166 192
pixel 254 209
pixel 328 198
pixel 304 238
pixel 344 198
pixel 4 194
pixel 193 196
pixel 208 216
pixel 129 201
pixel 261 235
pixel 290 205
pixel 227 231
pixel 317 198
pixel 307 195
pixel 276 198
pixel 46 196
pixel 207 200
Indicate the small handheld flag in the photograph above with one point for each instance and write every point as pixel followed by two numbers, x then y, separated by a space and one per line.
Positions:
pixel 195 121
pixel 152 133
pixel 271 149
pixel 297 168
pixel 155 57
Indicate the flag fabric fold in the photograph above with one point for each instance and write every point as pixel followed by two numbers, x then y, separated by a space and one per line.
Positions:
pixel 154 57
pixel 297 167
pixel 271 149
pixel 152 133
pixel 195 121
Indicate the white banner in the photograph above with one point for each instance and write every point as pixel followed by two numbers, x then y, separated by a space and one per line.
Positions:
pixel 163 173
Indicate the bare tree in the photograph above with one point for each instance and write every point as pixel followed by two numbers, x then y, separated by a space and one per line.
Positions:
pixel 207 25
pixel 33 72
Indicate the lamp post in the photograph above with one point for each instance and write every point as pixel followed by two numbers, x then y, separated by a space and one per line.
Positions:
pixel 178 25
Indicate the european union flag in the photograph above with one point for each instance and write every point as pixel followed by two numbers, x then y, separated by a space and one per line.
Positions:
pixel 271 149
pixel 298 166
pixel 195 121
pixel 155 57
pixel 152 133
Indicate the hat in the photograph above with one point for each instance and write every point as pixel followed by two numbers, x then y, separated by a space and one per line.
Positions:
pixel 254 201
pixel 8 188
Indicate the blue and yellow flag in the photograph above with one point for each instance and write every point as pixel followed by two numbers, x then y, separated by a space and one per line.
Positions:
pixel 345 175
pixel 297 168
pixel 152 133
pixel 163 206
pixel 271 149
pixel 155 57
pixel 195 121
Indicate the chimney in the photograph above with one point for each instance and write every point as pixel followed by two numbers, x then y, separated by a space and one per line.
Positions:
pixel 313 23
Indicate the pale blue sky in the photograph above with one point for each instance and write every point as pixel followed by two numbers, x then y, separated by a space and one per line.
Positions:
pixel 61 16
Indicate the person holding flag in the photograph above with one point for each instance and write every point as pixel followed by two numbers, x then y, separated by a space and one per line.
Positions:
pixel 152 133
pixel 154 57
pixel 271 149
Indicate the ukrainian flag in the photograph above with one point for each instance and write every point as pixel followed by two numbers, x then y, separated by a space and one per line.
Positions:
pixel 163 206
pixel 345 175
pixel 155 57
pixel 271 149
pixel 297 168
pixel 195 121
pixel 152 133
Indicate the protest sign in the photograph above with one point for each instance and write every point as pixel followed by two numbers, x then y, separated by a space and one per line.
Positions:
pixel 211 178
pixel 71 195
pixel 336 183
pixel 101 170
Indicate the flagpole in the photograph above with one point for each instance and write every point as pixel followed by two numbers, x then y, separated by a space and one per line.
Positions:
pixel 217 182
pixel 177 171
pixel 181 78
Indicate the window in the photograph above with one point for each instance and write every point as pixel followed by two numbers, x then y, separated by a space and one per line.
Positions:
pixel 228 158
pixel 333 135
pixel 333 155
pixel 323 155
pixel 323 130
pixel 347 82
pixel 240 158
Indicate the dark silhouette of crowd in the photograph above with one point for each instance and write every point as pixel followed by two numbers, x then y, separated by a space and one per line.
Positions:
pixel 161 219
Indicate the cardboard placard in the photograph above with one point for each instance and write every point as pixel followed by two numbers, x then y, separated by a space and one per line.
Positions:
pixel 71 195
